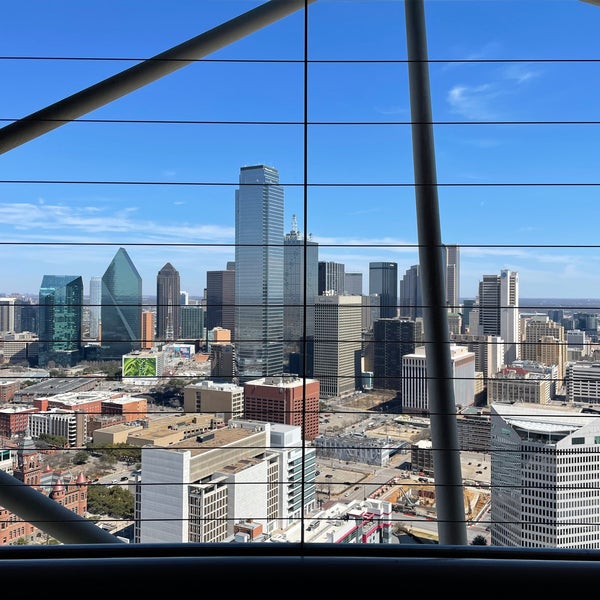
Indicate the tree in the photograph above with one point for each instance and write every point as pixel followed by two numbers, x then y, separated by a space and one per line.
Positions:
pixel 479 540
pixel 113 501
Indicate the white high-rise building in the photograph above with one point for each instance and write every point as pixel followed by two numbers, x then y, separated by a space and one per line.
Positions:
pixel 199 489
pixel 451 261
pixel 545 477
pixel 415 395
pixel 498 304
pixel 338 322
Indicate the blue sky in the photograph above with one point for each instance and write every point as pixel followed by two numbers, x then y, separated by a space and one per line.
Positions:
pixel 510 124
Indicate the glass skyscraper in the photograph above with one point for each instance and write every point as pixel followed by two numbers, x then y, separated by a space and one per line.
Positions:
pixel 121 321
pixel 60 317
pixel 168 305
pixel 294 296
pixel 383 281
pixel 95 306
pixel 259 272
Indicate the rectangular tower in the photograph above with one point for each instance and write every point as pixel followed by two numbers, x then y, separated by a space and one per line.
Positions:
pixel 259 272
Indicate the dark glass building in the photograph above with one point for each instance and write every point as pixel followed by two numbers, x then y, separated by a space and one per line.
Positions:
pixel 121 320
pixel 60 317
pixel 168 303
pixel 299 288
pixel 383 281
pixel 220 300
pixel 392 339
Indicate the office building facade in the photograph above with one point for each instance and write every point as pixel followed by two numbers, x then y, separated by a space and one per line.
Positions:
pixel 331 278
pixel 338 344
pixel 411 298
pixel 259 272
pixel 383 281
pixel 451 262
pixel 300 289
pixel 544 466
pixel 60 321
pixel 121 313
pixel 220 300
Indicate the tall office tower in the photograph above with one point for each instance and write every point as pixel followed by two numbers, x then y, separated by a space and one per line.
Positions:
pixel 26 315
pixel 331 278
pixel 338 344
pixel 61 311
pixel 95 306
pixel 121 314
pixel 148 329
pixel 191 319
pixel 411 298
pixel 167 304
pixel 285 399
pixel 467 306
pixel 196 491
pixel 220 300
pixel 7 315
pixel 499 311
pixel 544 342
pixel 415 393
pixel 353 284
pixel 259 273
pixel 383 280
pixel 392 339
pixel 184 298
pixel 300 289
pixel 543 477
pixel 451 262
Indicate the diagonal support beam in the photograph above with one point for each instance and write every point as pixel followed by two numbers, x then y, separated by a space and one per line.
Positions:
pixel 104 92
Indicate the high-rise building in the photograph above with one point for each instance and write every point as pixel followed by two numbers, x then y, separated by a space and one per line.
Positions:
pixel 220 300
pixel 121 314
pixel 300 289
pixel 383 281
pixel 95 306
pixel 184 298
pixel 392 339
pixel 498 305
pixel 61 311
pixel 148 329
pixel 353 284
pixel 331 278
pixel 451 262
pixel 259 272
pixel 415 392
pixel 285 399
pixel 411 297
pixel 7 315
pixel 544 342
pixel 544 465
pixel 191 320
pixel 167 304
pixel 338 344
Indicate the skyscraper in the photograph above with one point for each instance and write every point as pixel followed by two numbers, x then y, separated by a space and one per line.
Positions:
pixel 61 310
pixel 121 313
pixel 299 277
pixel 337 343
pixel 259 272
pixel 332 279
pixel 383 281
pixel 7 315
pixel 499 310
pixel 167 303
pixel 411 298
pixel 353 284
pixel 95 308
pixel 451 262
pixel 220 300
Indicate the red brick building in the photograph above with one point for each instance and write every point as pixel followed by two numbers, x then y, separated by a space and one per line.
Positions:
pixel 284 399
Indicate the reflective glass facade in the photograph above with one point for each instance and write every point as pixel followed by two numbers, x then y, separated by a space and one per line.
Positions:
pixel 121 307
pixel 60 309
pixel 259 272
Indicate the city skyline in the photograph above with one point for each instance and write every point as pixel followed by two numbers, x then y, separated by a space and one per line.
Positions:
pixel 511 90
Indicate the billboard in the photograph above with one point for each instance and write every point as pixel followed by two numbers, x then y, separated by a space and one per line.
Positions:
pixel 139 366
